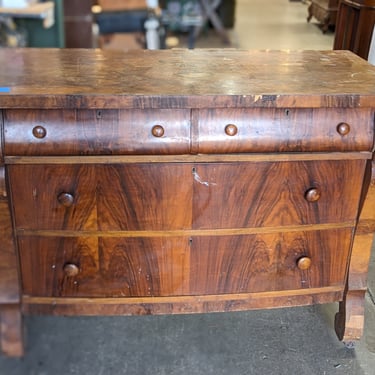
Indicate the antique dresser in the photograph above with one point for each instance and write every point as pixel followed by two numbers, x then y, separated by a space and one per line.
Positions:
pixel 165 182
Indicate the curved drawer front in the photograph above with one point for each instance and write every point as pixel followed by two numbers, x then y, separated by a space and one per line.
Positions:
pixel 268 194
pixel 168 196
pixel 172 266
pixel 126 197
pixel 96 132
pixel 283 130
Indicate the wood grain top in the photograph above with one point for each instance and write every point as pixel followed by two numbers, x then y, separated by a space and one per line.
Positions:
pixel 63 78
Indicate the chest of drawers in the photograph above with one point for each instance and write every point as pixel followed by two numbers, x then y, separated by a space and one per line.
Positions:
pixel 163 182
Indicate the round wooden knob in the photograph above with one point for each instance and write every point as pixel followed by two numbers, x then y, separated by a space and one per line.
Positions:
pixel 304 263
pixel 312 195
pixel 343 128
pixel 71 269
pixel 157 131
pixel 65 199
pixel 39 132
pixel 231 130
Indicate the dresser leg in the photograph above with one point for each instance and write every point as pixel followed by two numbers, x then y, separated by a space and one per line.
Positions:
pixel 349 321
pixel 11 330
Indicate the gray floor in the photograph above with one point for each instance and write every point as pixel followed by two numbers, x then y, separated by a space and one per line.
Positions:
pixel 283 341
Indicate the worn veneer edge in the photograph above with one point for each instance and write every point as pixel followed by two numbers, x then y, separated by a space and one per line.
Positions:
pixel 178 299
pixel 115 159
pixel 185 232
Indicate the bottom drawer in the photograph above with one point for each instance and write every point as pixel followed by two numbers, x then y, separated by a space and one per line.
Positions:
pixel 172 266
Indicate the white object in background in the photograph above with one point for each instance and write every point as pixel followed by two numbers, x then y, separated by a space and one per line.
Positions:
pixel 152 3
pixel 371 53
pixel 152 33
pixel 17 3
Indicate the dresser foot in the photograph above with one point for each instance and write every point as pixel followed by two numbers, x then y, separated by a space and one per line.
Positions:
pixel 349 320
pixel 11 330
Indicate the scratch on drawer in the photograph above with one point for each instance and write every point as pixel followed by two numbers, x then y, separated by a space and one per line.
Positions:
pixel 199 180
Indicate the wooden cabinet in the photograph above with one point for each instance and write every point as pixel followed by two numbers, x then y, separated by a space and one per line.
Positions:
pixel 355 25
pixel 325 11
pixel 155 182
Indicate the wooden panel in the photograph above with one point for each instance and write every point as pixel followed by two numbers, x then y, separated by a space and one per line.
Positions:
pixel 107 267
pixel 284 130
pixel 268 194
pixel 9 285
pixel 141 267
pixel 87 132
pixel 261 263
pixel 71 78
pixel 104 197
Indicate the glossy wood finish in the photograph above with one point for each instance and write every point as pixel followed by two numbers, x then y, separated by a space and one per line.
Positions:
pixel 87 132
pixel 355 25
pixel 184 79
pixel 155 182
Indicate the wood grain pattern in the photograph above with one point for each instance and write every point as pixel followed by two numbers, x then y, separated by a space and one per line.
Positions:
pixel 283 130
pixel 106 197
pixel 141 267
pixel 87 132
pixel 273 194
pixel 179 304
pixel 59 78
pixel 184 196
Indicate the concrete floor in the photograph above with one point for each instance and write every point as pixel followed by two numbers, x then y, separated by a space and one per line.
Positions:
pixel 297 341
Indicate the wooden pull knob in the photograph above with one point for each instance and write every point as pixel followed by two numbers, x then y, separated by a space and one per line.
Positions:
pixel 231 130
pixel 312 195
pixel 304 263
pixel 157 131
pixel 39 132
pixel 71 270
pixel 343 128
pixel 65 199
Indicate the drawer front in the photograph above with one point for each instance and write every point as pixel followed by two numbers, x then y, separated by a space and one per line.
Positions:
pixel 102 197
pixel 168 196
pixel 173 266
pixel 268 194
pixel 284 130
pixel 96 132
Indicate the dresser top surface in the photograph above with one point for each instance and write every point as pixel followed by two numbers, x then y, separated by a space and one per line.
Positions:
pixel 63 78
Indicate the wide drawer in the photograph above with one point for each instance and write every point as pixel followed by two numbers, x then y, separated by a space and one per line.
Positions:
pixel 173 266
pixel 283 130
pixel 96 132
pixel 173 196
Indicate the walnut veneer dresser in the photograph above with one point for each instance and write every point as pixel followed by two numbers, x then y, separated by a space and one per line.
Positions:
pixel 163 182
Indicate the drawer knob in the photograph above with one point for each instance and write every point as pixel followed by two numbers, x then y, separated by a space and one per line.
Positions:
pixel 65 199
pixel 343 128
pixel 157 131
pixel 312 195
pixel 39 132
pixel 71 270
pixel 304 263
pixel 231 130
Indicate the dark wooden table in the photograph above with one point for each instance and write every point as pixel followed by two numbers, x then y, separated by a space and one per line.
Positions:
pixel 163 182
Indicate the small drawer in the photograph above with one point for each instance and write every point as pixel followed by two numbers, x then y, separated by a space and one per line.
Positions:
pixel 175 266
pixel 283 130
pixel 96 132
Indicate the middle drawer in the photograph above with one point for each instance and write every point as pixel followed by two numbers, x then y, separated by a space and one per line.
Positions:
pixel 180 196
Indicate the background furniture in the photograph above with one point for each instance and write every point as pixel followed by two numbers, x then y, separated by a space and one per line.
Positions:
pixel 78 23
pixel 163 182
pixel 325 11
pixel 355 24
